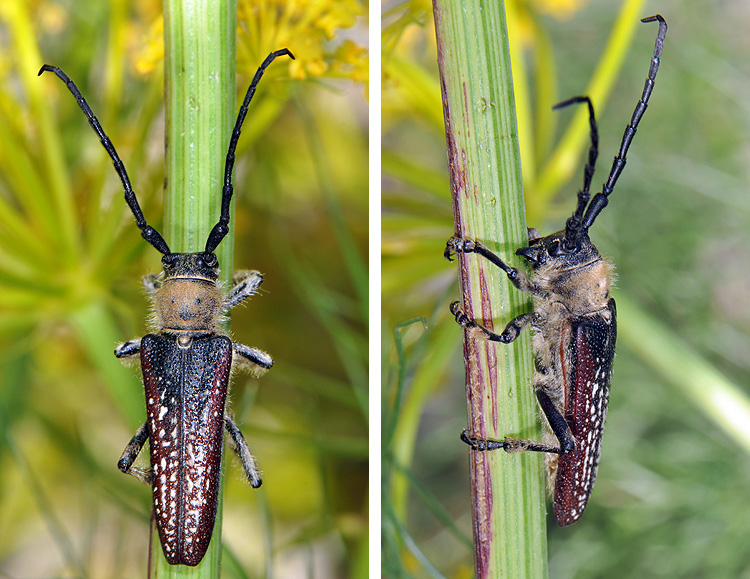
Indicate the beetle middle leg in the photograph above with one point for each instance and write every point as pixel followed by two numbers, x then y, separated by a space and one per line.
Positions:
pixel 129 349
pixel 131 452
pixel 252 359
pixel 510 333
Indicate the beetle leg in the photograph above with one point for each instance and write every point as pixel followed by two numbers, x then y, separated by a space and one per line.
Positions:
pixel 246 283
pixel 152 283
pixel 125 464
pixel 253 359
pixel 516 276
pixel 239 445
pixel 509 445
pixel 510 333
pixel 128 349
pixel 556 421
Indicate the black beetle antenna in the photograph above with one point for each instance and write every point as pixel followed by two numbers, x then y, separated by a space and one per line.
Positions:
pixel 573 227
pixel 600 200
pixel 149 233
pixel 222 226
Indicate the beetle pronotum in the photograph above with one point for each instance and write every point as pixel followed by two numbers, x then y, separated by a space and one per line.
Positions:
pixel 573 323
pixel 186 362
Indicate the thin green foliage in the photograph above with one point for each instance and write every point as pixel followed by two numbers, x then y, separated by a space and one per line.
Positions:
pixel 665 218
pixel 394 400
pixel 69 278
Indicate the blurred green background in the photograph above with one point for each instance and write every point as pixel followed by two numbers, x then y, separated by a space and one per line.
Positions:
pixel 672 492
pixel 71 261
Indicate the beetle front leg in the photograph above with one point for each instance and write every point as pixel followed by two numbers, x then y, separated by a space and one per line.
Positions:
pixel 246 283
pixel 510 333
pixel 516 276
pixel 131 452
pixel 239 445
pixel 252 359
pixel 151 284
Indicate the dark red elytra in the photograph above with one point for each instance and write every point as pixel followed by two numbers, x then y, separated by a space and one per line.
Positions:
pixel 574 325
pixel 186 363
pixel 186 424
pixel 591 350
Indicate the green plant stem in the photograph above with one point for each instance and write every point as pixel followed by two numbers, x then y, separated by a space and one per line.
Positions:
pixel 199 37
pixel 199 46
pixel 478 104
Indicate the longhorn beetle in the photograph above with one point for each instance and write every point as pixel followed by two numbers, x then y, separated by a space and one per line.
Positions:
pixel 186 363
pixel 573 324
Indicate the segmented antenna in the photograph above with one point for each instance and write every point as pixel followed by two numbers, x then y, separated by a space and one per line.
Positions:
pixel 573 225
pixel 149 233
pixel 222 226
pixel 579 223
pixel 600 200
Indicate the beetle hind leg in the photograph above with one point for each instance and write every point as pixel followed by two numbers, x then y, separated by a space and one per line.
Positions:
pixel 131 452
pixel 557 422
pixel 239 445
pixel 509 445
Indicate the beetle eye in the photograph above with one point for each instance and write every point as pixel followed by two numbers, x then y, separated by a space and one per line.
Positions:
pixel 209 259
pixel 167 259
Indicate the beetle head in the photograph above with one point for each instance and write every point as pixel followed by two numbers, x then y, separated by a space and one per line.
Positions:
pixel 198 265
pixel 553 249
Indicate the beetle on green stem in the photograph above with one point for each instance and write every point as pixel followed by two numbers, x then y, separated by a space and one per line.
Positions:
pixel 574 326
pixel 186 363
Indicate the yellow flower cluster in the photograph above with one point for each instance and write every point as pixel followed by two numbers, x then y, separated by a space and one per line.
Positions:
pixel 322 34
pixel 326 36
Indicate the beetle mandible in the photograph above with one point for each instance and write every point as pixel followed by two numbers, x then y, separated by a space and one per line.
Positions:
pixel 186 362
pixel 573 324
